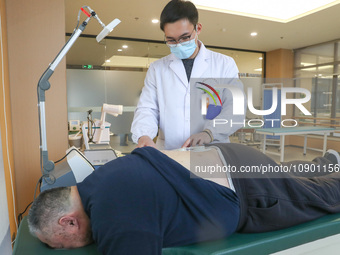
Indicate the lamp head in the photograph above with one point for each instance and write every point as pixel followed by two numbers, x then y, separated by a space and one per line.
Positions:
pixel 112 109
pixel 107 30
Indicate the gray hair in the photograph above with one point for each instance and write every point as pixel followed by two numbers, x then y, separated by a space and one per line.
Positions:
pixel 47 208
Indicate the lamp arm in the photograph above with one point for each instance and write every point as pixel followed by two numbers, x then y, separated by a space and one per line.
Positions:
pixel 44 85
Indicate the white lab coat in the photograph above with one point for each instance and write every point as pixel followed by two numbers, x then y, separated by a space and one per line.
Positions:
pixel 165 100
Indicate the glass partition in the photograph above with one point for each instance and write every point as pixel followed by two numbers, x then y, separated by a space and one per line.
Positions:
pixel 317 69
pixel 315 55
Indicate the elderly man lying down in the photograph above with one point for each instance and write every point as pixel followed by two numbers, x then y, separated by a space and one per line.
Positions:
pixel 148 200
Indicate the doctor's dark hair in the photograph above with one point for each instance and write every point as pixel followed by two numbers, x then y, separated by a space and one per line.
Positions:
pixel 47 208
pixel 178 9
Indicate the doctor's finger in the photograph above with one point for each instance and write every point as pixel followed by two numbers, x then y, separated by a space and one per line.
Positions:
pixel 144 144
pixel 186 143
pixel 196 140
pixel 200 142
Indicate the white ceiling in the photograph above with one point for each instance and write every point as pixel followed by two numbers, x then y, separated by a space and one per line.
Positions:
pixel 219 29
pixel 278 10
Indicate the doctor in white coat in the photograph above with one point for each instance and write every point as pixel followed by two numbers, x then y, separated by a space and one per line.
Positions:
pixel 166 99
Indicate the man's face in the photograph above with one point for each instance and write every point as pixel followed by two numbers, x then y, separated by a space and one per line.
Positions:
pixel 65 239
pixel 181 29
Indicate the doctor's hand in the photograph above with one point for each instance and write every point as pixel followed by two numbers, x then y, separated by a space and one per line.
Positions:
pixel 144 141
pixel 198 139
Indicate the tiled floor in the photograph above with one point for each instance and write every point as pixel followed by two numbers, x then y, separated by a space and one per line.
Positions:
pixel 291 153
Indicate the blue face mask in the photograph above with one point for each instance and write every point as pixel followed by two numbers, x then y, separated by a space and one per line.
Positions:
pixel 184 51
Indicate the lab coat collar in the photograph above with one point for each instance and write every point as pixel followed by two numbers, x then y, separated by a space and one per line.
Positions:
pixel 200 65
pixel 201 62
pixel 178 68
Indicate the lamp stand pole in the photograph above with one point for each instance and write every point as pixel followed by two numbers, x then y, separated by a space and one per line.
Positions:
pixel 44 85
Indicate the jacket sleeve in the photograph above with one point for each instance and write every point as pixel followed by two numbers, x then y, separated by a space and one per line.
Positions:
pixel 146 117
pixel 226 123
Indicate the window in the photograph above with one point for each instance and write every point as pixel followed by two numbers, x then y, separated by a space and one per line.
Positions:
pixel 317 69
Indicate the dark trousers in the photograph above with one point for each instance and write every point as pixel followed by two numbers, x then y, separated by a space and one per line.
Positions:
pixel 271 201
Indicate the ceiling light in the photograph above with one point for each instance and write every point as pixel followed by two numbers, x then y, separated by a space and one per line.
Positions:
pixel 119 50
pixel 125 46
pixel 279 10
pixel 260 58
pixel 253 34
pixel 155 21
pixel 108 61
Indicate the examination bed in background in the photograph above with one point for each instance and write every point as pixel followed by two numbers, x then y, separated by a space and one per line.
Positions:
pixel 316 237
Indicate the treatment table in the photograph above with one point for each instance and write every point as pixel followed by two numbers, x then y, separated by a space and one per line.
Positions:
pixel 303 130
pixel 237 244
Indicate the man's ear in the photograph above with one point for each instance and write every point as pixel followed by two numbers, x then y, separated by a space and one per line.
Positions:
pixel 198 28
pixel 69 221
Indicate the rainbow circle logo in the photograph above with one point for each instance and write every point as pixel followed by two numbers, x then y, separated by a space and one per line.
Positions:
pixel 213 110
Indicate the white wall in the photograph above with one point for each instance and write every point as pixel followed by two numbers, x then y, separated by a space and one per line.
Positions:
pixel 5 236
